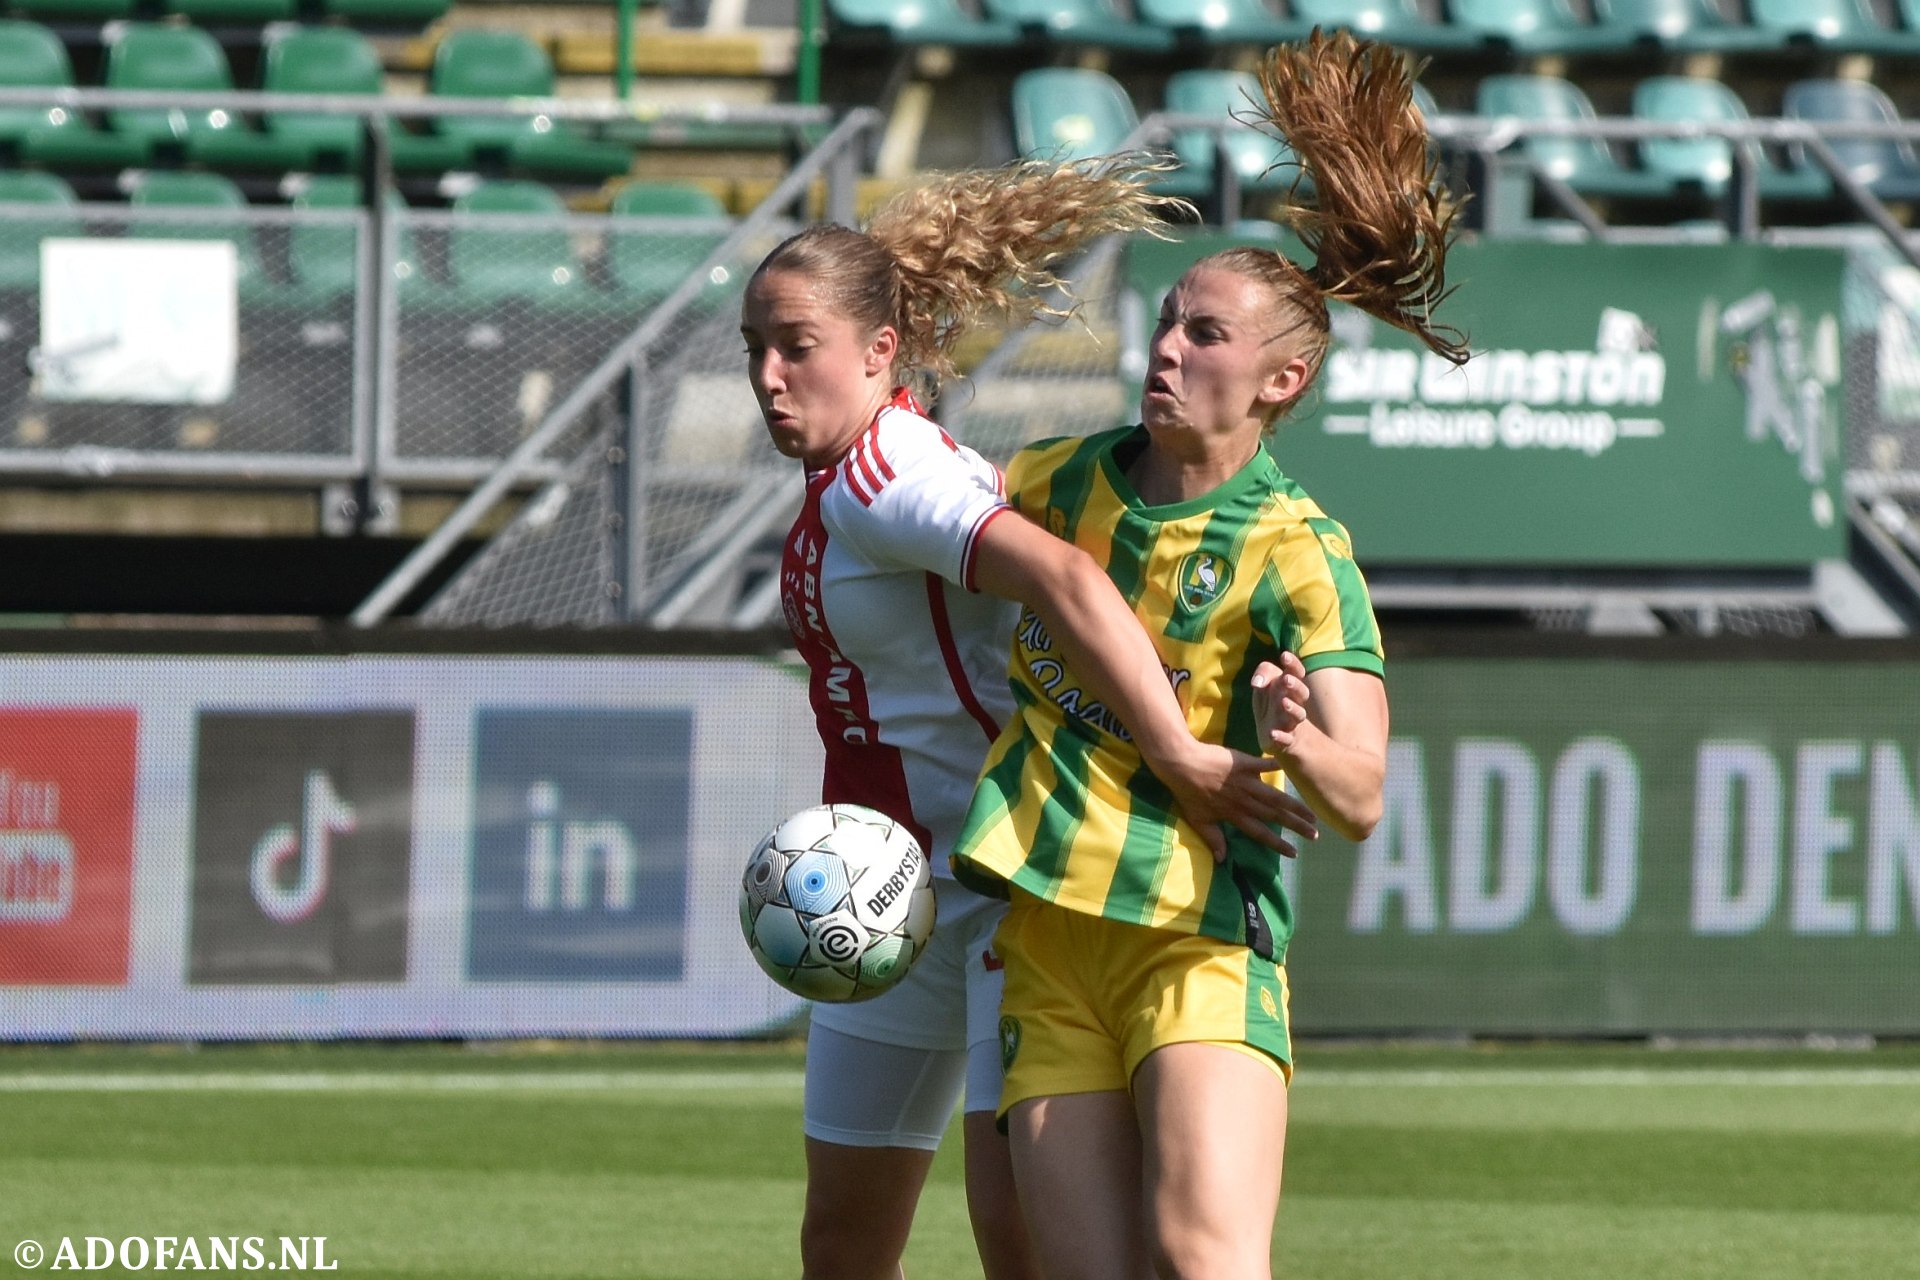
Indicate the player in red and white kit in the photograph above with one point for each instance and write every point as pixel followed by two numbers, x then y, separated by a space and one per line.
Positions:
pixel 898 582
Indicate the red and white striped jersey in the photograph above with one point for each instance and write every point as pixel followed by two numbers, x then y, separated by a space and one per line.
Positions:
pixel 908 663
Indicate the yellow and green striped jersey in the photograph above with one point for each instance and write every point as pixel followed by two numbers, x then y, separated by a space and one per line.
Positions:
pixel 1065 808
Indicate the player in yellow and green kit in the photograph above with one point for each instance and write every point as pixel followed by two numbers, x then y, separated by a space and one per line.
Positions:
pixel 1144 1019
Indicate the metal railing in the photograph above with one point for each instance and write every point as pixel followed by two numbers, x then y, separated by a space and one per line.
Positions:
pixel 697 497
pixel 379 344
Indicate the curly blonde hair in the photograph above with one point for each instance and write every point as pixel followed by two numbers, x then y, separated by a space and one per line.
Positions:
pixel 1382 223
pixel 966 247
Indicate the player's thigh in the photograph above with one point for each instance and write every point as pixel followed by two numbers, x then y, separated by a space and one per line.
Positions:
pixel 863 1093
pixel 1213 1124
pixel 1076 1161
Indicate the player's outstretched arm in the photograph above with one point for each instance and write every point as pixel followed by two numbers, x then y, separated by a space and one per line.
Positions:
pixel 1107 648
pixel 1328 728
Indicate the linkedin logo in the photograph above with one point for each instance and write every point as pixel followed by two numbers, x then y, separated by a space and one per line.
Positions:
pixel 579 844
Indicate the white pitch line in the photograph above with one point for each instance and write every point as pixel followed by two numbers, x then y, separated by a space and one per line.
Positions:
pixel 770 1081
pixel 403 1082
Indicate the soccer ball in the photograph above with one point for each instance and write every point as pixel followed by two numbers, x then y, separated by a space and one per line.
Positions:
pixel 837 902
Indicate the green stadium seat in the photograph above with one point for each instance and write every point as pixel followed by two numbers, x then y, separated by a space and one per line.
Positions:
pixel 31 56
pixel 21 232
pixel 1831 24
pixel 150 56
pixel 170 190
pixel 924 22
pixel 1071 113
pixel 1262 161
pixel 340 60
pixel 1708 162
pixel 1886 165
pixel 1081 22
pixel 645 265
pixel 234 12
pixel 320 60
pixel 1585 164
pixel 323 258
pixel 534 263
pixel 1393 21
pixel 1534 26
pixel 386 13
pixel 1680 26
pixel 477 63
pixel 1221 21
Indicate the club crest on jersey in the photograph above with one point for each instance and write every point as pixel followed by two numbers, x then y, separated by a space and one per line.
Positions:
pixel 1203 580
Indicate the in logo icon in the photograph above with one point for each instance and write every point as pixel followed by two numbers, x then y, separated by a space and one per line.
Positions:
pixel 580 840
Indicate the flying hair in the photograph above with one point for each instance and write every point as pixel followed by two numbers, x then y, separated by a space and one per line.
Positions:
pixel 977 245
pixel 1381 222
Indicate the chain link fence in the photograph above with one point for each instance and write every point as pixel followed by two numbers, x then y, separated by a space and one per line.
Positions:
pixel 676 512
pixel 1882 333
pixel 500 315
pixel 494 319
pixel 94 374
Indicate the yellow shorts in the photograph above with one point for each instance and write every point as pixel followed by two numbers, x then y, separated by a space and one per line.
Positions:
pixel 1087 999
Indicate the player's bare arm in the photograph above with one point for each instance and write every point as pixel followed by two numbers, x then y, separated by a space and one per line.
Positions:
pixel 1328 729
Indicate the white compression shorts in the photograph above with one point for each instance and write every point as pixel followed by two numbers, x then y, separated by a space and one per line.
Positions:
pixel 887 1072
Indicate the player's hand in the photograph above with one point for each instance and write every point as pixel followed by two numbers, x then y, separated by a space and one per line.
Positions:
pixel 1216 786
pixel 1280 703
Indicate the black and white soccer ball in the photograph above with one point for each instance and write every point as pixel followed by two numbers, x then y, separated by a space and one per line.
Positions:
pixel 837 902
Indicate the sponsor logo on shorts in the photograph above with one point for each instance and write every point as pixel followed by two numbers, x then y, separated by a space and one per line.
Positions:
pixel 1009 1042
pixel 1267 1002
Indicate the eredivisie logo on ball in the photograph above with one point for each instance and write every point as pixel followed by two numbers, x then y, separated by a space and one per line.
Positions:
pixel 837 902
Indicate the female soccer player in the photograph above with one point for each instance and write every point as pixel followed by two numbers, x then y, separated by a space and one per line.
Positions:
pixel 900 531
pixel 1145 1021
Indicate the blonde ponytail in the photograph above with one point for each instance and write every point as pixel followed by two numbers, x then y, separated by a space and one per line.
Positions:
pixel 1382 222
pixel 967 247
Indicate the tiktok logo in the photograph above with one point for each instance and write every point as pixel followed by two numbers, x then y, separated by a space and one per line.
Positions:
pixel 302 838
pixel 323 815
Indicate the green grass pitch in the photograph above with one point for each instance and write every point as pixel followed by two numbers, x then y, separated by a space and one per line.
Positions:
pixel 684 1164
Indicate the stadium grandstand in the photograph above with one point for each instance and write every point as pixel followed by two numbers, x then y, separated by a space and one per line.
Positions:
pixel 485 258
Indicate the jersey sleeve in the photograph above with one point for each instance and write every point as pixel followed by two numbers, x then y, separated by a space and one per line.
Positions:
pixel 915 500
pixel 1327 615
pixel 1022 471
